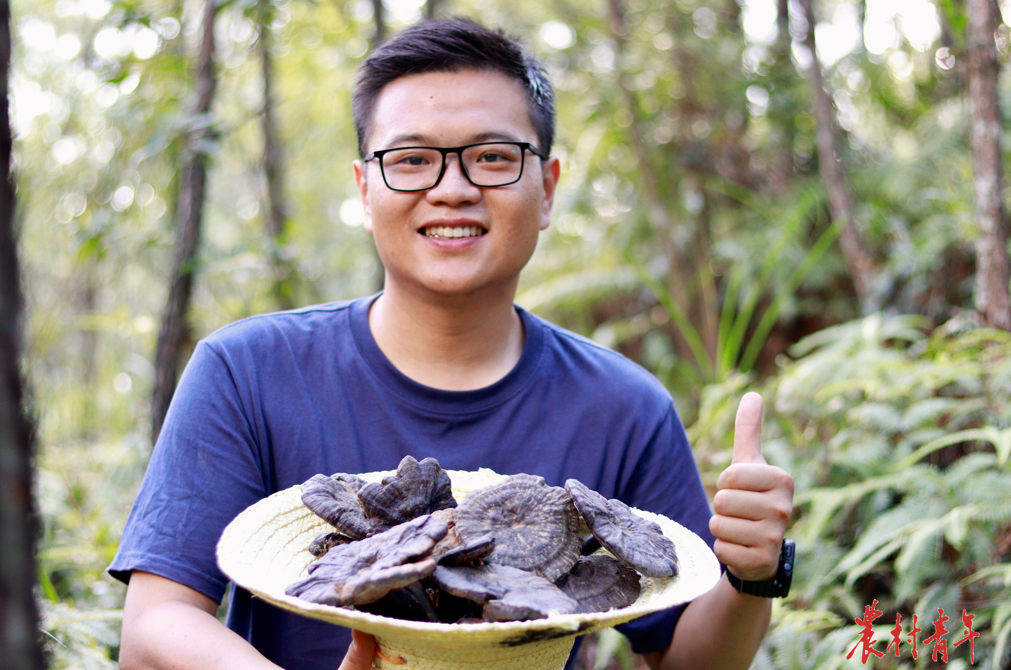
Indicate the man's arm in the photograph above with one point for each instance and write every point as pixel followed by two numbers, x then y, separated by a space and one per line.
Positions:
pixel 720 629
pixel 168 625
pixel 753 503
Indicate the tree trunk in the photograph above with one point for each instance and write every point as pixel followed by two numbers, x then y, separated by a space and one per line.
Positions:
pixel 858 262
pixel 378 38
pixel 379 14
pixel 780 173
pixel 275 211
pixel 685 259
pixel 19 618
pixel 189 213
pixel 431 7
pixel 992 300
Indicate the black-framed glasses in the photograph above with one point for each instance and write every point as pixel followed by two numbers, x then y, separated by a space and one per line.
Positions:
pixel 484 164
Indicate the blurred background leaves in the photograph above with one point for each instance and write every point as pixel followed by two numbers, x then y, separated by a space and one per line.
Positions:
pixel 692 232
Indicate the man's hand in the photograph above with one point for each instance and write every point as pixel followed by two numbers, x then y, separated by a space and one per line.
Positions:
pixel 753 502
pixel 360 653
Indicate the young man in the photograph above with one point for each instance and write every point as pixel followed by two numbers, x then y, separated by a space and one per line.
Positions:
pixel 455 125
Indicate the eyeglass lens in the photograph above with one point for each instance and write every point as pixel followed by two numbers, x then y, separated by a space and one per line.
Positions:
pixel 418 168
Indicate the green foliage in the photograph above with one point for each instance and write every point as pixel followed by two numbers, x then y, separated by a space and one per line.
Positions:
pixel 80 639
pixel 897 438
pixel 689 232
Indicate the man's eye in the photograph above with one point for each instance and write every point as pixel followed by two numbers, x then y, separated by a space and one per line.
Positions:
pixel 410 160
pixel 495 157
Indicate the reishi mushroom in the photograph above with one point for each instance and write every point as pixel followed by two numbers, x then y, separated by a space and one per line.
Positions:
pixel 635 540
pixel 600 583
pixel 362 572
pixel 416 489
pixel 510 551
pixel 535 526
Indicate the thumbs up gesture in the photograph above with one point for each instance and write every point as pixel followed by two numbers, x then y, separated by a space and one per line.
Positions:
pixel 753 502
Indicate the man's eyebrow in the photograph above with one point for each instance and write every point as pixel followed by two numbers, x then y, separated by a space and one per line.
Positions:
pixel 403 138
pixel 426 140
pixel 494 135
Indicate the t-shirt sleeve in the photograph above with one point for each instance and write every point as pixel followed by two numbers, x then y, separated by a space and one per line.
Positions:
pixel 205 469
pixel 666 480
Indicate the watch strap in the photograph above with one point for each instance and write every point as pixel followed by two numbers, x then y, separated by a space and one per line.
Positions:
pixel 778 586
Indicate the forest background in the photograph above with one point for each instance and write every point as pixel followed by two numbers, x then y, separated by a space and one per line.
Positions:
pixel 735 214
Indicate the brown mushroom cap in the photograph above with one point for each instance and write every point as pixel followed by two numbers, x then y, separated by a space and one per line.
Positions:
pixel 635 540
pixel 451 550
pixel 415 490
pixel 508 594
pixel 362 572
pixel 467 553
pixel 535 526
pixel 600 583
pixel 335 500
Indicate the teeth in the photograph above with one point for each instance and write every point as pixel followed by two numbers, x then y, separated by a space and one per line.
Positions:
pixel 454 231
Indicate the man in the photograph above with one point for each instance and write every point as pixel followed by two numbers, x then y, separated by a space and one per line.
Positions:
pixel 455 124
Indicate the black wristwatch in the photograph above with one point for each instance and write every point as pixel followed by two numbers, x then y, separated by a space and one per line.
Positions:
pixel 778 586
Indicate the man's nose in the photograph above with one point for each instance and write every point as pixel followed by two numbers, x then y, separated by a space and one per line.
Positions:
pixel 454 188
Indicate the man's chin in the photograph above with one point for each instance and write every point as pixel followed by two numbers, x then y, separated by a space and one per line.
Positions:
pixel 464 288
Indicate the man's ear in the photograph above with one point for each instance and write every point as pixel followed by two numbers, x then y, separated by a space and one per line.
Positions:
pixel 552 170
pixel 363 189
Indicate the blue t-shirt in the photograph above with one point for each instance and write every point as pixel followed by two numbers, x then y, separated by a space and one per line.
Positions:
pixel 269 401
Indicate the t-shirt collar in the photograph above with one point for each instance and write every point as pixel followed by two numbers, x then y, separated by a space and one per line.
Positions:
pixel 438 400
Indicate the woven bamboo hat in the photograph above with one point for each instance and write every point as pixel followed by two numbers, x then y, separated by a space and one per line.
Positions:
pixel 264 550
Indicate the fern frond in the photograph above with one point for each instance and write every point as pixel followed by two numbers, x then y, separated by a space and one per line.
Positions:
pixel 1002 570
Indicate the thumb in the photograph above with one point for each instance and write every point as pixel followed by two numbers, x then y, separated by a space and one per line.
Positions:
pixel 360 653
pixel 748 430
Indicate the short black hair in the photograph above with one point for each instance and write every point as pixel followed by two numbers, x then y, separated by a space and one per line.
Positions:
pixel 451 45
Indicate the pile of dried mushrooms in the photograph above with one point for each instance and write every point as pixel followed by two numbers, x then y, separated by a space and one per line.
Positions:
pixel 510 551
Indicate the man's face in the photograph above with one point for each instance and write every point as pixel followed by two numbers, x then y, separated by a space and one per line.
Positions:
pixel 417 234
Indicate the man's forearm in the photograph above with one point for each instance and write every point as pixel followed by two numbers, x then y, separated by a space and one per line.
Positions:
pixel 720 630
pixel 178 635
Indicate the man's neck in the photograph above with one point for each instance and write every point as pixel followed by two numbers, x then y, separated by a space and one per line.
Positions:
pixel 454 344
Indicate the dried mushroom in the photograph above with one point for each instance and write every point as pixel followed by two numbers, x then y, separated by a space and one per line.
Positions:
pixel 600 583
pixel 335 500
pixel 590 546
pixel 508 552
pixel 408 602
pixel 508 594
pixel 467 553
pixel 451 550
pixel 362 572
pixel 635 540
pixel 324 542
pixel 535 526
pixel 415 490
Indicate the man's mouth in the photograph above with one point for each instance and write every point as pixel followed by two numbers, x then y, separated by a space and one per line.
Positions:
pixel 453 231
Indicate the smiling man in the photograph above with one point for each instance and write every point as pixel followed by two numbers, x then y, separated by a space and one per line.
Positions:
pixel 455 125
